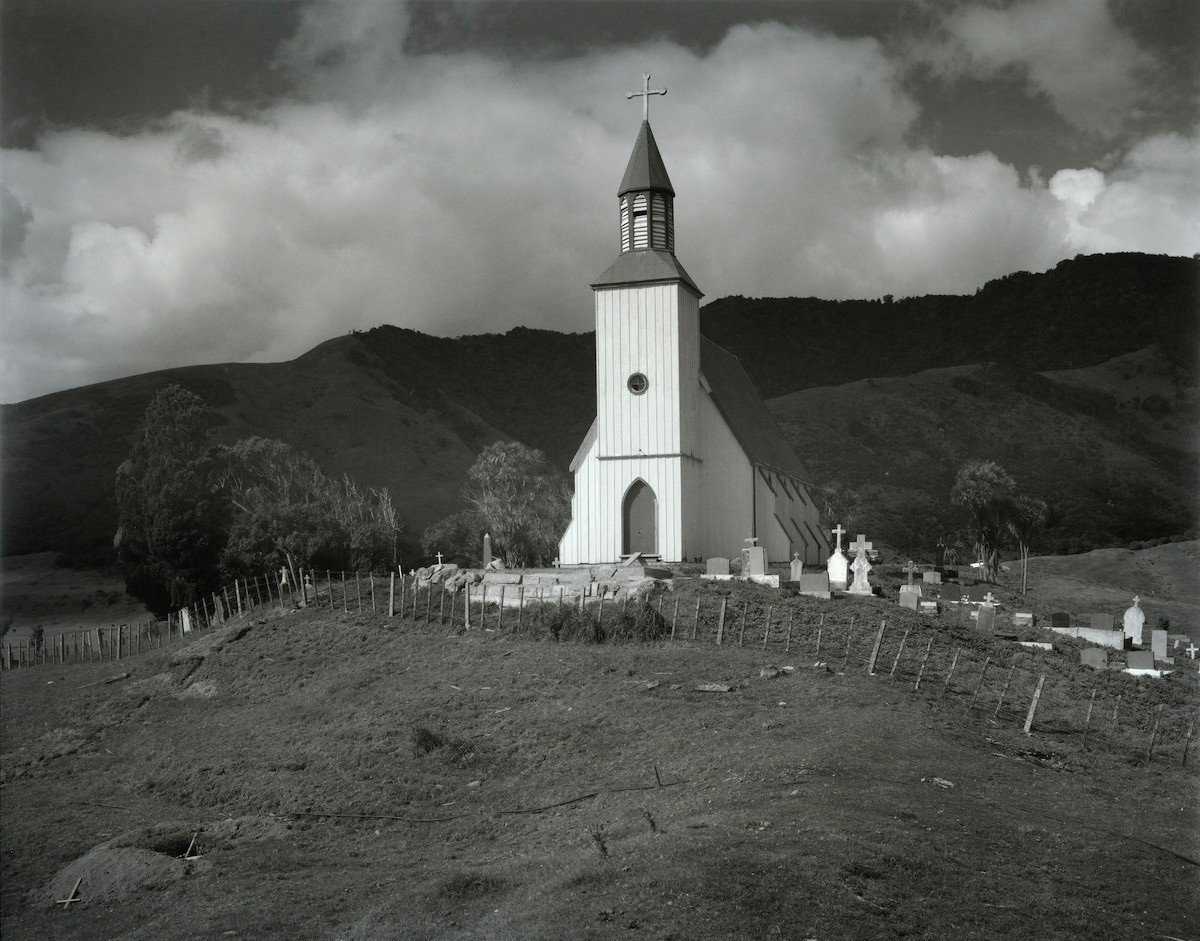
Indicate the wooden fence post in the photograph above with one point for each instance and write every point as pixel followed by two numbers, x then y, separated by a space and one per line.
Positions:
pixel 899 653
pixel 924 660
pixel 1087 722
pixel 1154 732
pixel 875 649
pixel 358 589
pixel 371 578
pixel 721 623
pixel 521 608
pixel 978 683
pixel 696 619
pixel 466 606
pixel 1116 706
pixel 742 629
pixel 767 630
pixel 787 646
pixel 1187 742
pixel 849 639
pixel 500 613
pixel 442 605
pixel 820 630
pixel 674 614
pixel 1004 692
pixel 1033 704
pixel 953 664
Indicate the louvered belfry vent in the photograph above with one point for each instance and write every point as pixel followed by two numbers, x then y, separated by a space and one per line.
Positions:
pixel 647 199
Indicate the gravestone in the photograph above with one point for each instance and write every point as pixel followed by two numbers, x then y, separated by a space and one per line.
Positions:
pixel 1139 660
pixel 1158 644
pixel 797 567
pixel 756 561
pixel 977 594
pixel 1134 621
pixel 815 585
pixel 1101 622
pixel 1094 657
pixel 987 618
pixel 717 566
pixel 910 570
pixel 487 550
pixel 861 567
pixel 910 599
pixel 1061 619
pixel 928 607
pixel 185 623
pixel 1022 619
pixel 931 578
pixel 838 566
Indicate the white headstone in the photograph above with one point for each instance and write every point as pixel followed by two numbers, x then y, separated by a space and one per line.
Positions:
pixel 797 567
pixel 756 561
pixel 1135 621
pixel 860 566
pixel 185 621
pixel 1158 644
pixel 838 568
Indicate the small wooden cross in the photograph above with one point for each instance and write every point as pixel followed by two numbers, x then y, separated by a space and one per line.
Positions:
pixel 839 532
pixel 439 558
pixel 911 569
pixel 989 598
pixel 861 546
pixel 73 896
pixel 645 94
pixel 1190 650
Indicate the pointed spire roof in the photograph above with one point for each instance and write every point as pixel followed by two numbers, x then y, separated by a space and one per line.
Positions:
pixel 645 170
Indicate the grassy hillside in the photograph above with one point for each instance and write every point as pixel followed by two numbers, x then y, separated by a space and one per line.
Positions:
pixel 1113 469
pixel 507 788
pixel 397 408
pixel 1080 313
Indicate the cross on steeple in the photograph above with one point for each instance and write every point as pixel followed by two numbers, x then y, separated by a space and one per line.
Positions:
pixel 645 94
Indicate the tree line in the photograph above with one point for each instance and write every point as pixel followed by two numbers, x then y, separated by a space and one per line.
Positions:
pixel 194 513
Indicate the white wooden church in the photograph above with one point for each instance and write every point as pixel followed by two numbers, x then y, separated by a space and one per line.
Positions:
pixel 683 460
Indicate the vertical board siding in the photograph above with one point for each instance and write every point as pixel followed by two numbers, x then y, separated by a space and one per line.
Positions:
pixel 725 503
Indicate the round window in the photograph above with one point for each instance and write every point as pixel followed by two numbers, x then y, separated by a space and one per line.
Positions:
pixel 638 383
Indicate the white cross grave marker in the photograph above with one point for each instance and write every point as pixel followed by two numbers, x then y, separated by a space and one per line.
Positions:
pixel 860 545
pixel 1190 650
pixel 839 532
pixel 439 558
pixel 989 598
pixel 911 569
pixel 645 94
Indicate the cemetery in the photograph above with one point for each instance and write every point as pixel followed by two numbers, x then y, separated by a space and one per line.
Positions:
pixel 622 632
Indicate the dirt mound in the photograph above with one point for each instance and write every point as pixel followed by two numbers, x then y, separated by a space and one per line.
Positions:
pixel 153 857
pixel 111 873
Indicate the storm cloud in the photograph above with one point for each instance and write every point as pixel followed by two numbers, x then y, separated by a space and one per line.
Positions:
pixel 463 192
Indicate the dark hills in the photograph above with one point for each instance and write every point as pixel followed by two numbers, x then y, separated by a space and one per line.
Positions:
pixel 395 407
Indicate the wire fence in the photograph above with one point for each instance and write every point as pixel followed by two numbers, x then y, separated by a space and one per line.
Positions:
pixel 949 662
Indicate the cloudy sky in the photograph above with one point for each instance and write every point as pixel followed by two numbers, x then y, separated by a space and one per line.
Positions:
pixel 194 182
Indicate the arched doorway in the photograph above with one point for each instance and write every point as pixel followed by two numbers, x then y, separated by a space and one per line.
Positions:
pixel 638 515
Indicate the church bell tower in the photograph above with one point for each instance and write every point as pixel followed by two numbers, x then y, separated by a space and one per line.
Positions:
pixel 648 368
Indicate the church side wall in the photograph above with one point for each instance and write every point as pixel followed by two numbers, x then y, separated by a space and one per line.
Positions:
pixel 725 510
pixel 788 520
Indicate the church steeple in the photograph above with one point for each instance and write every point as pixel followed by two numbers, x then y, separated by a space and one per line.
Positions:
pixel 647 199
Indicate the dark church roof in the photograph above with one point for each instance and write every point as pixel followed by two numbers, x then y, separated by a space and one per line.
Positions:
pixel 745 412
pixel 645 170
pixel 642 267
